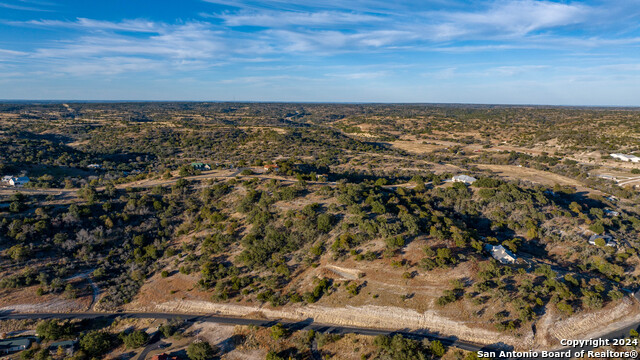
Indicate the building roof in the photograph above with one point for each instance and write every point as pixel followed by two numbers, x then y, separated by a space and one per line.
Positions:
pixel 608 240
pixel 464 178
pixel 64 344
pixel 500 253
pixel 14 342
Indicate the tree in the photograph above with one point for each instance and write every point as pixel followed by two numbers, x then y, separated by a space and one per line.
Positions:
pixel 437 348
pixel 96 343
pixel 19 252
pixel 324 223
pixel 575 207
pixel 278 331
pixel 51 330
pixel 135 339
pixel 201 350
pixel 597 227
pixel 272 355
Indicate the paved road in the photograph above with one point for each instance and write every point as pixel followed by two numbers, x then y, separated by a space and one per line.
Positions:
pixel 308 324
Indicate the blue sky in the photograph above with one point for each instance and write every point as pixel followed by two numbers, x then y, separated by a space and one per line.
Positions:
pixel 494 51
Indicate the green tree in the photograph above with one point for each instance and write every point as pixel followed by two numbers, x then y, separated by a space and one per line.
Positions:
pixel 135 339
pixel 597 227
pixel 201 350
pixel 96 343
pixel 51 330
pixel 272 355
pixel 437 349
pixel 278 331
pixel 18 252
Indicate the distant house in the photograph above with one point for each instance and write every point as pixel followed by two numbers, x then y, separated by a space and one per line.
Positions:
pixel 200 166
pixel 608 240
pixel 94 166
pixel 164 356
pixel 464 179
pixel 271 167
pixel 501 254
pixel 611 213
pixel 627 158
pixel 68 346
pixel 6 179
pixel 11 180
pixel 9 346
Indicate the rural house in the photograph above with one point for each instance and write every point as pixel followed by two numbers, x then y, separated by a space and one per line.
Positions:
pixel 464 179
pixel 608 240
pixel 611 213
pixel 12 345
pixel 627 158
pixel 200 166
pixel 501 254
pixel 68 347
pixel 6 179
pixel 271 167
pixel 11 180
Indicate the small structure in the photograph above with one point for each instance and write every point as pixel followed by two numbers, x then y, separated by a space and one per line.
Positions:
pixel 69 347
pixel 94 166
pixel 271 167
pixel 464 179
pixel 501 254
pixel 627 158
pixel 200 166
pixel 9 346
pixel 11 180
pixel 611 213
pixel 164 356
pixel 608 240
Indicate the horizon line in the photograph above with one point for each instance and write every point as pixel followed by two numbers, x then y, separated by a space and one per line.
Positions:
pixel 55 101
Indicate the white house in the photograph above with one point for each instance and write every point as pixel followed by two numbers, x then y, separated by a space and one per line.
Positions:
pixel 18 181
pixel 611 213
pixel 608 240
pixel 11 180
pixel 464 179
pixel 501 254
pixel 94 166
pixel 627 158
pixel 6 179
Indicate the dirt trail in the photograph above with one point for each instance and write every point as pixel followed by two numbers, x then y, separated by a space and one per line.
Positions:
pixel 348 274
pixel 94 287
pixel 536 176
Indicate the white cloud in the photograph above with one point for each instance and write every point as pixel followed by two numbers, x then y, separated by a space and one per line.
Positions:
pixel 359 75
pixel 21 7
pixel 510 18
pixel 279 19
pixel 137 25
